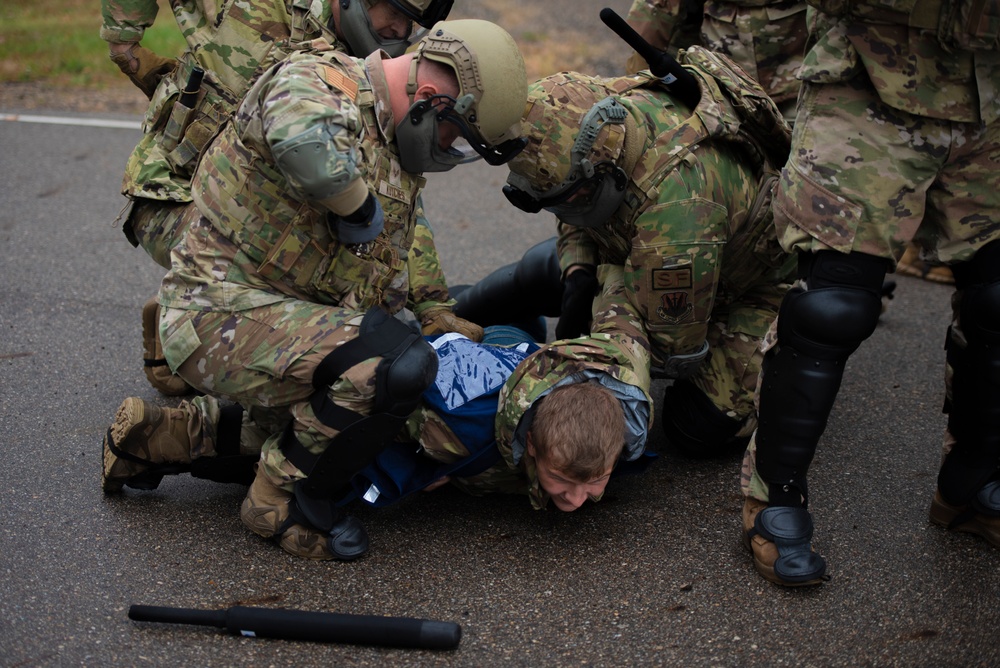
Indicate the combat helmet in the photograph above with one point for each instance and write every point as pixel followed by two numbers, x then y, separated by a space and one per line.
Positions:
pixel 492 89
pixel 576 144
pixel 360 35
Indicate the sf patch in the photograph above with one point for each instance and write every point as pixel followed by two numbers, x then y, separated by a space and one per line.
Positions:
pixel 673 288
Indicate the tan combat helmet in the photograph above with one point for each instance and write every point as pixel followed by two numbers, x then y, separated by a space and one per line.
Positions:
pixel 492 91
pixel 575 134
pixel 359 33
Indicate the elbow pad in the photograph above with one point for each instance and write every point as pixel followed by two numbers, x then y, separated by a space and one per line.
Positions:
pixel 313 163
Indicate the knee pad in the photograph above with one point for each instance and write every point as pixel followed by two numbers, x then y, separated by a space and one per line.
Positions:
pixel 695 425
pixel 839 308
pixel 818 329
pixel 407 368
pixel 401 380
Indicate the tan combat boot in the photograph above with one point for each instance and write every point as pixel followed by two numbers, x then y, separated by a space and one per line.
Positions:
pixel 967 519
pixel 805 567
pixel 154 365
pixel 267 511
pixel 911 265
pixel 145 443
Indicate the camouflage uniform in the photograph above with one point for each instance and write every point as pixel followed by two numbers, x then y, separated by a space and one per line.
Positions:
pixel 896 139
pixel 697 267
pixel 766 38
pixel 260 291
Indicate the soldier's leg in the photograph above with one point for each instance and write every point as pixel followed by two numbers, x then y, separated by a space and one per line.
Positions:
pixel 516 292
pixel 146 442
pixel 157 226
pixel 364 391
pixel 822 321
pixel 348 381
pixel 968 494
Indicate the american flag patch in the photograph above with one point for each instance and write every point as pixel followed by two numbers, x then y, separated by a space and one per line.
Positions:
pixel 340 82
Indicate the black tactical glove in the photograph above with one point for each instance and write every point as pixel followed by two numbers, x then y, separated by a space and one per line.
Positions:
pixel 579 290
pixel 363 225
pixel 143 67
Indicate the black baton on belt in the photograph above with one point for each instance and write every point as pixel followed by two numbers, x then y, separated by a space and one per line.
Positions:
pixel 311 626
pixel 679 81
pixel 190 93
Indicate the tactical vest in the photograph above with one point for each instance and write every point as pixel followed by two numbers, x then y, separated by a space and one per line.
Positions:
pixel 964 25
pixel 289 241
pixel 245 43
pixel 735 109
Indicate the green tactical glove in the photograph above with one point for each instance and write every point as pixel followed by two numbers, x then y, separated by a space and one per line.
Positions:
pixel 440 320
pixel 142 66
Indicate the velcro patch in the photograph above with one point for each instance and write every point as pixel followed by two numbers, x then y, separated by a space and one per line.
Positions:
pixel 676 278
pixel 338 80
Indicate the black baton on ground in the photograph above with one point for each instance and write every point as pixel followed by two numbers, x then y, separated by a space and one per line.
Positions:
pixel 679 81
pixel 311 626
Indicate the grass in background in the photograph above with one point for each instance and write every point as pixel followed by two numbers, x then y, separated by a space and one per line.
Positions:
pixel 57 41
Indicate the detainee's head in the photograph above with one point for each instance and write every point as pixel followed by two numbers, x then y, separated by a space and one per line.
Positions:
pixel 576 437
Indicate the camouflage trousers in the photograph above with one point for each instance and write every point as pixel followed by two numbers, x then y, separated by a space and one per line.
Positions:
pixel 158 225
pixel 264 359
pixel 865 177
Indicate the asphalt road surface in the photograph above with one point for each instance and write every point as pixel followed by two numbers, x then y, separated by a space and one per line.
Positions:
pixel 653 575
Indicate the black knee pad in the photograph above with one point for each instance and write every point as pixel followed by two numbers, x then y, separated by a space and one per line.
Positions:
pixel 840 307
pixel 818 329
pixel 401 380
pixel 693 424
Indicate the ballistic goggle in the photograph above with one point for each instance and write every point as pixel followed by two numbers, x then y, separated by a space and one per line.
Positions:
pixel 590 193
pixel 420 149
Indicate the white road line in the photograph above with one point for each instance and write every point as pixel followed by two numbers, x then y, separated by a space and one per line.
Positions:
pixel 64 120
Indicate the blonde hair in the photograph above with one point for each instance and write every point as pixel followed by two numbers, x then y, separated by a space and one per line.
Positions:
pixel 579 429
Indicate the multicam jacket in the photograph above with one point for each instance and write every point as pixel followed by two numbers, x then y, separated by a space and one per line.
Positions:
pixel 266 242
pixel 233 43
pixel 694 232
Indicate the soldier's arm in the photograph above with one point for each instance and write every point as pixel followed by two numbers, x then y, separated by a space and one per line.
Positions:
pixel 300 110
pixel 676 258
pixel 125 21
pixel 616 318
pixel 575 247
